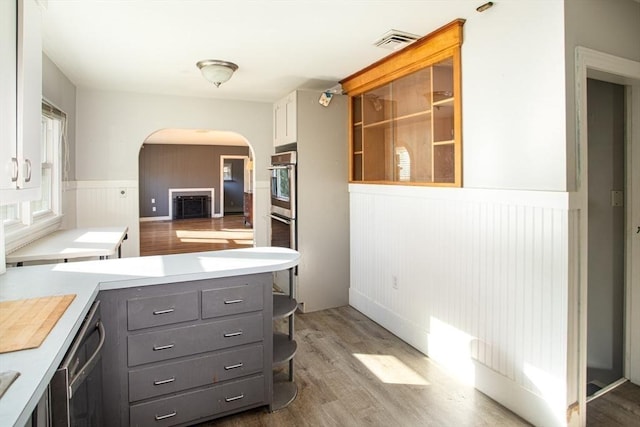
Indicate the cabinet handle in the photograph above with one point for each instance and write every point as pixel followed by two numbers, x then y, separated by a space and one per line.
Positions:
pixel 14 175
pixel 233 301
pixel 167 311
pixel 230 367
pixel 167 381
pixel 232 334
pixel 164 417
pixel 163 347
pixel 27 162
pixel 231 399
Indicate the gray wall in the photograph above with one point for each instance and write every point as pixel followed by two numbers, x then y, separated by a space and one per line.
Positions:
pixel 606 106
pixel 179 166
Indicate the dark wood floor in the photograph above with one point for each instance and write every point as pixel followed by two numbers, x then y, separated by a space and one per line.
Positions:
pixel 194 235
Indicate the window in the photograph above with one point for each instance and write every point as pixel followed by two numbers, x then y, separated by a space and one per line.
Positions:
pixel 227 171
pixel 24 221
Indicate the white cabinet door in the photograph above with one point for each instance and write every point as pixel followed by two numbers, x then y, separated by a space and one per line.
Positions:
pixel 29 94
pixel 8 59
pixel 285 120
pixel 279 123
pixel 291 134
pixel 21 101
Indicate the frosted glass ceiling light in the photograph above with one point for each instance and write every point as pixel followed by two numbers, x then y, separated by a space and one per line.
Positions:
pixel 216 71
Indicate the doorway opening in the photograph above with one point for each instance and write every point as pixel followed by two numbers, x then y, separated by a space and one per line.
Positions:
pixel 606 236
pixel 185 176
pixel 608 287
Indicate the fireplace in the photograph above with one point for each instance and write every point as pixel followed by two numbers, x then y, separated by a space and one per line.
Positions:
pixel 191 207
pixel 191 203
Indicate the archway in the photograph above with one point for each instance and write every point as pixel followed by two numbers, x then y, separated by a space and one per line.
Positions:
pixel 181 191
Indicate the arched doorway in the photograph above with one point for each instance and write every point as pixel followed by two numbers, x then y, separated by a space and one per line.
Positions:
pixel 182 191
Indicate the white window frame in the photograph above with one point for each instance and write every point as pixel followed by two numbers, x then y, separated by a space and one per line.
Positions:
pixel 29 226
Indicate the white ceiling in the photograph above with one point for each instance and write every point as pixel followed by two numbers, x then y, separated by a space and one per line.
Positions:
pixel 152 46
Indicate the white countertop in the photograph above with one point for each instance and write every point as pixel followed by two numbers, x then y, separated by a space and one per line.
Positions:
pixel 72 243
pixel 86 279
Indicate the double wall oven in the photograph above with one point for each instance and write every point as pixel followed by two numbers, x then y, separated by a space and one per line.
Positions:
pixel 283 199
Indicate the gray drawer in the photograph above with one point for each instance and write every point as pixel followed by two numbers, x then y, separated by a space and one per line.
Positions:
pixel 193 339
pixel 161 310
pixel 232 300
pixel 201 371
pixel 241 393
pixel 195 405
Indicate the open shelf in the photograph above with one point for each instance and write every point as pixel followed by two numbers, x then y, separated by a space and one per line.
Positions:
pixel 284 392
pixel 283 306
pixel 283 348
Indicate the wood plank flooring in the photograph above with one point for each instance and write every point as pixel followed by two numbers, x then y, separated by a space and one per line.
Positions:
pixel 619 407
pixel 194 235
pixel 400 386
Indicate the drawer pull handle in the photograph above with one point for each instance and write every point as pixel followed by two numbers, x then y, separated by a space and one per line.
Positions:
pixel 167 311
pixel 230 367
pixel 233 334
pixel 162 347
pixel 164 417
pixel 231 399
pixel 167 381
pixel 233 301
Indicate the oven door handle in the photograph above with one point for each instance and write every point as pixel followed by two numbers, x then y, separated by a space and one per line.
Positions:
pixel 91 362
pixel 283 220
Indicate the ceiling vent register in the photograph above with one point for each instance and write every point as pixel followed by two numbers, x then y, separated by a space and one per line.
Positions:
pixel 394 40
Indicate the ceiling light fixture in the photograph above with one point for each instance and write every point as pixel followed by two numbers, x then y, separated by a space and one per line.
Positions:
pixel 216 71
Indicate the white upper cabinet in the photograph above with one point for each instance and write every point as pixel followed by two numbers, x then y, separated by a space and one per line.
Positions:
pixel 285 120
pixel 21 101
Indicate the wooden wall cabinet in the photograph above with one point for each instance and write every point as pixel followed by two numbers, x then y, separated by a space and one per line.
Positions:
pixel 405 114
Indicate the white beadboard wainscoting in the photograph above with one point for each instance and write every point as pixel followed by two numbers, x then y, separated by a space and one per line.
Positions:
pixel 476 279
pixel 110 203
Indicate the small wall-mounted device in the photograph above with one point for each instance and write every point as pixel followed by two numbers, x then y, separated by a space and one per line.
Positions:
pixel 325 98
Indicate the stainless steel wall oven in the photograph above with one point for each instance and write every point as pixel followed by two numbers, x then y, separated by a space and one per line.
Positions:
pixel 283 199
pixel 283 184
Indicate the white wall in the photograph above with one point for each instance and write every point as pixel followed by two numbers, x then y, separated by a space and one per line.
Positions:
pixel 112 127
pixel 607 26
pixel 513 109
pixel 486 277
pixel 483 271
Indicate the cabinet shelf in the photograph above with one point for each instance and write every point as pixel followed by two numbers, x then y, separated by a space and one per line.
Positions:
pixel 283 306
pixel 284 392
pixel 283 348
pixel 451 141
pixel 443 101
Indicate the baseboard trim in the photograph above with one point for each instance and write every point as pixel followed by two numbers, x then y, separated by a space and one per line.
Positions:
pixel 154 218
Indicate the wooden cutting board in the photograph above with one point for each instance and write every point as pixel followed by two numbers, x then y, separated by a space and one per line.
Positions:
pixel 25 323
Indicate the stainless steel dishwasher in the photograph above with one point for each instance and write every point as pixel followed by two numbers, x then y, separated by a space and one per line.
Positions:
pixel 76 387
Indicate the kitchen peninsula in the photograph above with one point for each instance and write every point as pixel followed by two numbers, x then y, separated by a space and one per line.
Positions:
pixel 91 280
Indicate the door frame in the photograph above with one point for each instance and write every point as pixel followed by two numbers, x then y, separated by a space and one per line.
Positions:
pixel 247 177
pixel 602 66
